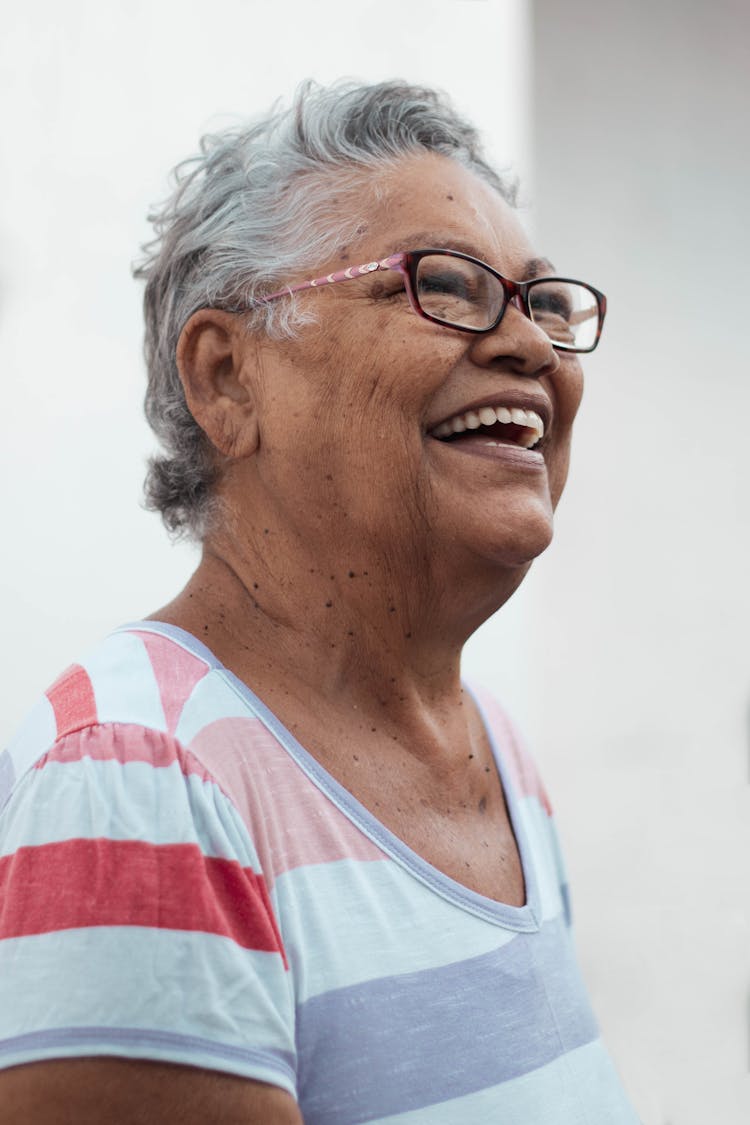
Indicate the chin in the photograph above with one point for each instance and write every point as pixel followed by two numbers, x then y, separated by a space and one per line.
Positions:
pixel 521 555
pixel 522 538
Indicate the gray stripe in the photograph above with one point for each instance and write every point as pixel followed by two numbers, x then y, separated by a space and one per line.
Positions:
pixel 113 1037
pixel 404 1042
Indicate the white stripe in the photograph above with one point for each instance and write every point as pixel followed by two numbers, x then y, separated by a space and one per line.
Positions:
pixel 125 687
pixel 34 737
pixel 539 831
pixel 190 984
pixel 371 919
pixel 211 699
pixel 581 1085
pixel 90 799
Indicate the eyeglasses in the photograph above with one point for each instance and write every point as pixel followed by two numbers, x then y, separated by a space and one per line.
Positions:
pixel 464 293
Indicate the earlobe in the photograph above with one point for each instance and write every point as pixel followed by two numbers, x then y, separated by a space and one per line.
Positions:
pixel 211 358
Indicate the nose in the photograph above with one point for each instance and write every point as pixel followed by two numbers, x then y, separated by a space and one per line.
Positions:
pixel 517 344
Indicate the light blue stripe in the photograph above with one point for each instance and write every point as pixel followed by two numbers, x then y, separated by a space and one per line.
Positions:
pixel 125 687
pixel 370 919
pixel 210 699
pixel 92 799
pixel 580 1086
pixel 173 983
pixel 143 1043
pixel 441 1033
pixel 539 831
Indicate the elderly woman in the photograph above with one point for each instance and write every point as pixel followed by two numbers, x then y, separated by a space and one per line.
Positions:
pixel 266 834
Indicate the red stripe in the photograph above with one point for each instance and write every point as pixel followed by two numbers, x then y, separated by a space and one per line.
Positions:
pixel 177 672
pixel 100 882
pixel 72 699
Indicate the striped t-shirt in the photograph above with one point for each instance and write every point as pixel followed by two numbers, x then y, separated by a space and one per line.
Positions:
pixel 181 881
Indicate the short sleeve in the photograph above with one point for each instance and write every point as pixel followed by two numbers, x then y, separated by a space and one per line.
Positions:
pixel 134 917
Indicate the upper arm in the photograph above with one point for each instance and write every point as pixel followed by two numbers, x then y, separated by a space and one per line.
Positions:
pixel 90 1091
pixel 135 919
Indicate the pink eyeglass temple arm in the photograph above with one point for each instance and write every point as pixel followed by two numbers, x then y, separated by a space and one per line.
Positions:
pixel 394 262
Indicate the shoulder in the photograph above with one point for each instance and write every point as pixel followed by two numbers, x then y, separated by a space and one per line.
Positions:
pixel 138 695
pixel 511 747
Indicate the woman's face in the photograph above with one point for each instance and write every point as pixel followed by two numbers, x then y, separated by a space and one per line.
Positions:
pixel 347 412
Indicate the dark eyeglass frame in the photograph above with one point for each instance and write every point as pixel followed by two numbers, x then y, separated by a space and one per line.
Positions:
pixel 406 263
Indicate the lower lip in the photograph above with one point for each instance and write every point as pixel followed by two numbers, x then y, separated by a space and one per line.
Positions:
pixel 514 455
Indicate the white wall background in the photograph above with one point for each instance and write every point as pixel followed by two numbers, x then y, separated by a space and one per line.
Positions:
pixel 641 607
pixel 98 101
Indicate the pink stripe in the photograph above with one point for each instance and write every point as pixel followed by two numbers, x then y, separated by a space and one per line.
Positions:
pixel 521 766
pixel 125 742
pixel 258 774
pixel 177 672
pixel 100 882
pixel 72 700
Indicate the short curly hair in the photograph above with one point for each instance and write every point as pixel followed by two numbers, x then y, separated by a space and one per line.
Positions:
pixel 251 208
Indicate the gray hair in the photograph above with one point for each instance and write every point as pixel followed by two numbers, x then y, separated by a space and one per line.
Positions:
pixel 252 208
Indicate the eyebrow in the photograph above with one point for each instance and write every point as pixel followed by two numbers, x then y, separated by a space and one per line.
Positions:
pixel 538 267
pixel 533 267
pixel 432 240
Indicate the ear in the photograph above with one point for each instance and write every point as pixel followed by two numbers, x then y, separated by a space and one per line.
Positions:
pixel 214 359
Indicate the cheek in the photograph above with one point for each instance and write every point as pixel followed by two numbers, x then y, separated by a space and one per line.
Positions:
pixel 559 472
pixel 568 391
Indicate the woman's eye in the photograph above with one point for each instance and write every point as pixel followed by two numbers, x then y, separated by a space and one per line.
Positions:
pixel 447 284
pixel 552 304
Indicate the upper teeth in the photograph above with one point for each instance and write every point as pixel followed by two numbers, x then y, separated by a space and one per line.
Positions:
pixel 488 415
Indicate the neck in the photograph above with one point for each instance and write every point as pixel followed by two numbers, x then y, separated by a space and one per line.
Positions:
pixel 377 636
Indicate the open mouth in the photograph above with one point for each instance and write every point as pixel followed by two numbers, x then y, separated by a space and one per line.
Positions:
pixel 493 425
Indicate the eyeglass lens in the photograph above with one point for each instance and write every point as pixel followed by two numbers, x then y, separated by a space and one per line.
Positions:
pixel 466 295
